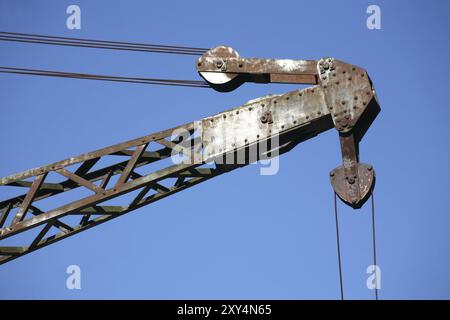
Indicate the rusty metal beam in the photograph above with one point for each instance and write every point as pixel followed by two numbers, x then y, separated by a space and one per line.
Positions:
pixel 260 129
pixel 131 164
pixel 79 180
pixel 29 198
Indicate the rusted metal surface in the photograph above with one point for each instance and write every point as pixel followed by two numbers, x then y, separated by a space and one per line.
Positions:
pixel 352 181
pixel 353 106
pixel 224 70
pixel 344 92
pixel 342 97
pixel 261 119
pixel 90 208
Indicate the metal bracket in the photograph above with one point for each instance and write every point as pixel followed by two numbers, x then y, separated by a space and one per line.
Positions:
pixel 225 70
pixel 352 181
pixel 346 90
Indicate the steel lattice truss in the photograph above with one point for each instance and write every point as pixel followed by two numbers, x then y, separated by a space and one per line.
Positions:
pixel 138 172
pixel 25 214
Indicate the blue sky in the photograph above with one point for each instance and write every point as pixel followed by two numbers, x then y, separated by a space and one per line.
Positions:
pixel 241 235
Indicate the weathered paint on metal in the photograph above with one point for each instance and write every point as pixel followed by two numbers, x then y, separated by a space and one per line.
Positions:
pixel 343 97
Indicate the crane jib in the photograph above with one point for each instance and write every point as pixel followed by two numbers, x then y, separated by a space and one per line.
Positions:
pixel 341 97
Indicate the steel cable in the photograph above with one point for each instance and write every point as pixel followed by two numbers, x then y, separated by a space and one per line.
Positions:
pixel 154 81
pixel 374 247
pixel 99 44
pixel 338 247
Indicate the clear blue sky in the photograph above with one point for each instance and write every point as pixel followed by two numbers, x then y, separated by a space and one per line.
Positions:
pixel 241 235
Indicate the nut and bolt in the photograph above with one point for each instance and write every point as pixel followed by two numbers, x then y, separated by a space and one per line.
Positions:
pixel 351 179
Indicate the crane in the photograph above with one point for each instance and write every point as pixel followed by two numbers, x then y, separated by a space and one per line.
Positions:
pixel 144 170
